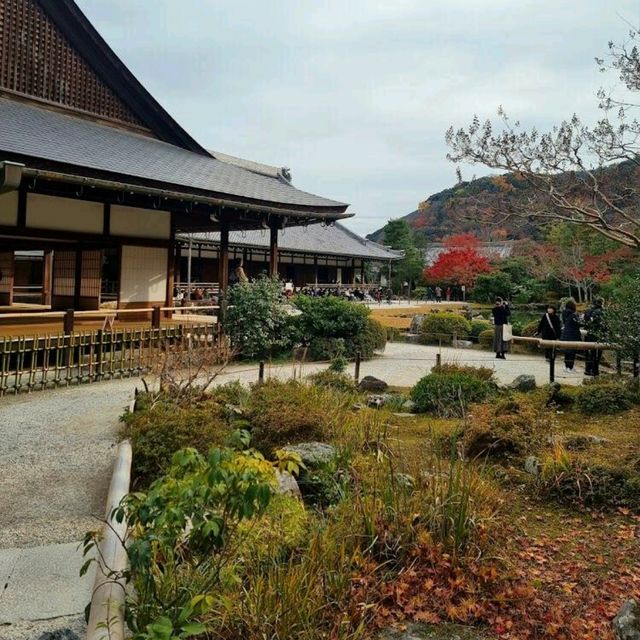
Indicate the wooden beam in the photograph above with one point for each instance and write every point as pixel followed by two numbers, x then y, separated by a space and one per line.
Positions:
pixel 315 270
pixel 273 250
pixel 223 258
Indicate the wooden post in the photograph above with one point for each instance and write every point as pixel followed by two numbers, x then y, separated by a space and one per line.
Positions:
pixel 273 250
pixel 356 375
pixel 315 270
pixel 552 365
pixel 261 372
pixel 69 321
pixel 223 258
pixel 99 354
pixel 362 272
pixel 155 317
pixel 438 360
pixel 47 274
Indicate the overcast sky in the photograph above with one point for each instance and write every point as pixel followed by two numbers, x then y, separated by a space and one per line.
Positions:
pixel 356 95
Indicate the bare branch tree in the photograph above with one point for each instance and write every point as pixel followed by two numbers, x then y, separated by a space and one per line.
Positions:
pixel 575 173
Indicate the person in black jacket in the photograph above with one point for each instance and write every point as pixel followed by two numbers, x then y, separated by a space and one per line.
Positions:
pixel 570 333
pixel 549 328
pixel 501 314
pixel 594 321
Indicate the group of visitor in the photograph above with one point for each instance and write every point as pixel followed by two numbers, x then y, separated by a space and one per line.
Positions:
pixel 568 328
pixel 450 293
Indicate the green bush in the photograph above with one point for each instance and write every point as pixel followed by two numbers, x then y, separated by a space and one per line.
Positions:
pixel 489 286
pixel 478 326
pixel 485 339
pixel 438 327
pixel 158 431
pixel 332 326
pixel 290 412
pixel 486 374
pixel 258 322
pixel 333 380
pixel 508 427
pixel 449 394
pixel 603 399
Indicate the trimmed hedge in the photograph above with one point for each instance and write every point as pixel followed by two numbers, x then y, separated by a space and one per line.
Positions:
pixel 438 327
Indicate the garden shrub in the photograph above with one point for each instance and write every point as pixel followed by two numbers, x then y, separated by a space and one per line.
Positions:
pixel 573 482
pixel 478 326
pixel 371 339
pixel 603 399
pixel 158 431
pixel 258 322
pixel 483 373
pixel 513 426
pixel 449 394
pixel 323 486
pixel 485 339
pixel 334 380
pixel 234 393
pixel 290 412
pixel 438 327
pixel 280 530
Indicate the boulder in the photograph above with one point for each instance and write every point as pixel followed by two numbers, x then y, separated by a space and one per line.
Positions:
pixel 369 383
pixel 524 382
pixel 626 625
pixel 433 632
pixel 287 484
pixel 376 401
pixel 416 323
pixel 463 344
pixel 532 465
pixel 409 406
pixel 313 454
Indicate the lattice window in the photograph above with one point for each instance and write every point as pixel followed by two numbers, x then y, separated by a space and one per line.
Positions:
pixel 64 273
pixel 91 283
pixel 37 60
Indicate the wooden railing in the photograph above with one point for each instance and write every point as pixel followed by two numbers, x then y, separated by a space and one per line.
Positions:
pixel 32 363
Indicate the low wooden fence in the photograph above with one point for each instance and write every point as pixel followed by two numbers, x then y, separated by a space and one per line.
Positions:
pixel 41 362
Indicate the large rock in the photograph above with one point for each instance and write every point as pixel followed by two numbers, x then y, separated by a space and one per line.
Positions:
pixel 524 382
pixel 287 484
pixel 313 454
pixel 369 383
pixel 626 625
pixel 416 323
pixel 434 632
pixel 532 465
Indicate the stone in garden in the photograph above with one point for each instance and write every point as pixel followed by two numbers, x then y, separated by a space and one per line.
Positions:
pixel 376 401
pixel 524 382
pixel 532 465
pixel 416 323
pixel 463 344
pixel 59 634
pixel 626 625
pixel 433 632
pixel 369 383
pixel 409 406
pixel 287 484
pixel 313 454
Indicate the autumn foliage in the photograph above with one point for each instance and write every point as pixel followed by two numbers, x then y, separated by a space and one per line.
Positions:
pixel 461 262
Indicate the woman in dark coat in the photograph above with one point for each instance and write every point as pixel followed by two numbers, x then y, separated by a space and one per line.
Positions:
pixel 501 314
pixel 570 333
pixel 549 328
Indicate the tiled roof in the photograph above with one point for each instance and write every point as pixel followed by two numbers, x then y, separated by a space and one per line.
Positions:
pixel 315 238
pixel 268 170
pixel 31 131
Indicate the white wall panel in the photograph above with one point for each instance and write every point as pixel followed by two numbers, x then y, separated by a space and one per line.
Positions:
pixel 143 274
pixel 9 209
pixel 67 214
pixel 140 223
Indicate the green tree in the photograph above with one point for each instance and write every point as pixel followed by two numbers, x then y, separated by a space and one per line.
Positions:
pixel 622 320
pixel 399 235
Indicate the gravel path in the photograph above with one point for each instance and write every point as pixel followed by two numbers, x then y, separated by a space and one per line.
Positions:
pixel 56 456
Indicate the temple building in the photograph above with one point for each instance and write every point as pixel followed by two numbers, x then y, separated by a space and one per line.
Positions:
pixel 101 184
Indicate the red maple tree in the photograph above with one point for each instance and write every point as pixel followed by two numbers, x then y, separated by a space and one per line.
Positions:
pixel 461 262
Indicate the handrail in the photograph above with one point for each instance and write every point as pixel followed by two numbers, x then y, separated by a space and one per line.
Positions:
pixel 577 345
pixel 106 617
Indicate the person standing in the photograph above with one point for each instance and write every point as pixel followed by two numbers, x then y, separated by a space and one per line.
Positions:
pixel 594 320
pixel 501 314
pixel 549 328
pixel 438 294
pixel 570 333
pixel 448 292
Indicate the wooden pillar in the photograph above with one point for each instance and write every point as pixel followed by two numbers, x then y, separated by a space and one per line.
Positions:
pixel 315 270
pixel 273 250
pixel 362 272
pixel 171 275
pixel 353 272
pixel 223 258
pixel 47 276
pixel 77 279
